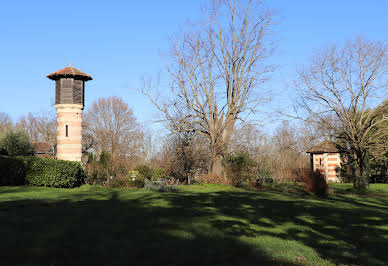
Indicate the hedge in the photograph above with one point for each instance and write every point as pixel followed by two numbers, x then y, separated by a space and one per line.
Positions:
pixel 40 172
pixel 12 171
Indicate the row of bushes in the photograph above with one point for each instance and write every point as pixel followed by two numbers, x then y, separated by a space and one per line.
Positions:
pixel 30 170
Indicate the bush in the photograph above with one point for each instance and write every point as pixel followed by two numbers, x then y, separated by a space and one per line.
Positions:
pixel 239 167
pixel 99 171
pixel 12 171
pixel 265 180
pixel 15 143
pixel 40 172
pixel 54 173
pixel 145 171
pixel 314 182
pixel 159 174
pixel 135 179
pixel 119 183
pixel 213 179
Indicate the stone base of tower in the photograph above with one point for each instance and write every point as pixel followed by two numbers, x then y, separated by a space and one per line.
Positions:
pixel 69 132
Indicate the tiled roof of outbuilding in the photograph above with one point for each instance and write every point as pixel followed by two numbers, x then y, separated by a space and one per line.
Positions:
pixel 68 72
pixel 323 147
pixel 41 147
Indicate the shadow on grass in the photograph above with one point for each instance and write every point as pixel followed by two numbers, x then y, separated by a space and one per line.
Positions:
pixel 189 229
pixel 117 232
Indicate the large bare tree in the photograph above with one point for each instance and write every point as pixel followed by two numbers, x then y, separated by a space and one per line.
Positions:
pixel 216 72
pixel 112 127
pixel 347 84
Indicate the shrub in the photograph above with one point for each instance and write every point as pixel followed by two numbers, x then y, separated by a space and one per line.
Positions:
pixel 15 143
pixel 239 167
pixel 96 175
pixel 40 172
pixel 213 179
pixel 105 159
pixel 145 171
pixel 99 171
pixel 265 180
pixel 119 183
pixel 159 174
pixel 135 179
pixel 12 171
pixel 314 182
pixel 53 173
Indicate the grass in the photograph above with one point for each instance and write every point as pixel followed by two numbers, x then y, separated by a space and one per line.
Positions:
pixel 197 225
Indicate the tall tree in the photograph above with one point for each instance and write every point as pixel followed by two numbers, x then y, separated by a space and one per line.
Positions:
pixel 217 67
pixel 112 127
pixel 345 83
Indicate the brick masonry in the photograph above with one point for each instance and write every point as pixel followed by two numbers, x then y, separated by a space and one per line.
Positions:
pixel 69 147
pixel 327 164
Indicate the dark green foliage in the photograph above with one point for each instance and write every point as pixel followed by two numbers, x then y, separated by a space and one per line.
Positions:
pixel 159 174
pixel 12 171
pixel 98 171
pixel 119 183
pixel 104 159
pixel 37 171
pixel 138 182
pixel 15 143
pixel 239 167
pixel 145 171
pixel 54 173
pixel 96 175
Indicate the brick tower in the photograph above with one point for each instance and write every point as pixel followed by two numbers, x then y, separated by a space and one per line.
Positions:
pixel 69 103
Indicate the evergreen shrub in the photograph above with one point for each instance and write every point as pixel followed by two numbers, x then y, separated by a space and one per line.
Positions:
pixel 37 171
pixel 12 171
pixel 54 173
pixel 239 167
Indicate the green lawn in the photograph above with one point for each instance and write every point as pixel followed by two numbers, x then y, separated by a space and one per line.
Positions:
pixel 197 225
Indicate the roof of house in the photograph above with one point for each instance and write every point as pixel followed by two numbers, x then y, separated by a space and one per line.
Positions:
pixel 323 147
pixel 69 72
pixel 41 147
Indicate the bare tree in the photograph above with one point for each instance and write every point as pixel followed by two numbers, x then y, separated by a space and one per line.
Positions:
pixel 187 155
pixel 345 83
pixel 40 127
pixel 247 137
pixel 112 127
pixel 216 71
pixel 5 122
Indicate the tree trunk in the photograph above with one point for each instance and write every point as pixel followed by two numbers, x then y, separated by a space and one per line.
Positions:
pixel 216 165
pixel 219 147
pixel 361 177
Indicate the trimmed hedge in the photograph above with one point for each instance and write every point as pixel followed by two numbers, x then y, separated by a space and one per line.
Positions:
pixel 40 172
pixel 12 171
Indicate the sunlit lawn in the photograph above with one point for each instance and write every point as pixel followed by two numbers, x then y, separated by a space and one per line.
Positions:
pixel 197 225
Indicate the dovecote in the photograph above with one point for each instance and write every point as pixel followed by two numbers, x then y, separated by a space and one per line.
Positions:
pixel 69 85
pixel 69 103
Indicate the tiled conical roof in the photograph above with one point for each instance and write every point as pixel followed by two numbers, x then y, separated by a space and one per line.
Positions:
pixel 69 72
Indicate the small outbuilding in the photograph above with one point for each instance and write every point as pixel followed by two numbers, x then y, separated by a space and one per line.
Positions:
pixel 325 157
pixel 43 150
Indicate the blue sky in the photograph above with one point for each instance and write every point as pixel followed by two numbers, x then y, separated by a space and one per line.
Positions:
pixel 118 42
